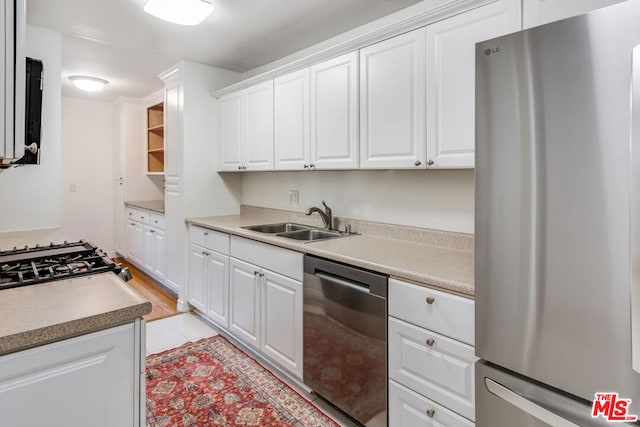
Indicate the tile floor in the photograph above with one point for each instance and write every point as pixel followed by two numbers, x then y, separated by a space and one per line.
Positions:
pixel 174 331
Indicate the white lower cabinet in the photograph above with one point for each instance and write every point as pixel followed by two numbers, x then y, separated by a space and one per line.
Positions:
pixel 431 361
pixel 409 409
pixel 91 380
pixel 251 289
pixel 209 274
pixel 244 294
pixel 135 241
pixel 146 242
pixel 282 320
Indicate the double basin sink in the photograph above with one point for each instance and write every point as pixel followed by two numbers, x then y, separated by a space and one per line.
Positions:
pixel 294 231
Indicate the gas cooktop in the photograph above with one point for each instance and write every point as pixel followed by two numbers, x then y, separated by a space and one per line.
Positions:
pixel 39 264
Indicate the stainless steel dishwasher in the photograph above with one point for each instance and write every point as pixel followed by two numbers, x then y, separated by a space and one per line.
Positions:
pixel 345 338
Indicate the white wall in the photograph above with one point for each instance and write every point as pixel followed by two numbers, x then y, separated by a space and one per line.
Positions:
pixel 441 200
pixel 87 171
pixel 31 194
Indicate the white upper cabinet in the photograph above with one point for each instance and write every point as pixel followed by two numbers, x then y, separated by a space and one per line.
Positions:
pixel 334 113
pixel 230 132
pixel 451 79
pixel 291 116
pixel 538 12
pixel 258 126
pixel 392 103
pixel 316 116
pixel 246 129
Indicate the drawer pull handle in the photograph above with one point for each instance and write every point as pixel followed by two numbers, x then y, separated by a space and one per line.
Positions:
pixel 431 413
pixel 430 300
pixel 431 342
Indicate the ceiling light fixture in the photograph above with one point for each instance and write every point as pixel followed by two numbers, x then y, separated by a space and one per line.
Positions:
pixel 88 84
pixel 183 12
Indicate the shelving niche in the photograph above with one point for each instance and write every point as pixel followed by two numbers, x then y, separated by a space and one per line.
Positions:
pixel 155 139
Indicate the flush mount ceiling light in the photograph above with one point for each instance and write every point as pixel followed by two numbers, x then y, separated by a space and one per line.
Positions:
pixel 183 12
pixel 88 84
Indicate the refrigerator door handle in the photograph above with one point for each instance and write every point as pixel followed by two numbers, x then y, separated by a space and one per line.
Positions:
pixel 634 208
pixel 526 405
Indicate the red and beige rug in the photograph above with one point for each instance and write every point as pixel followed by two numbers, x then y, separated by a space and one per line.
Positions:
pixel 213 383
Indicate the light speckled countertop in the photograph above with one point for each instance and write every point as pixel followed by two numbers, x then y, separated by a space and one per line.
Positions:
pixel 150 205
pixel 52 311
pixel 450 268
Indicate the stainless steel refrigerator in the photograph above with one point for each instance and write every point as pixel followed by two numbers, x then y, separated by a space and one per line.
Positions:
pixel 558 221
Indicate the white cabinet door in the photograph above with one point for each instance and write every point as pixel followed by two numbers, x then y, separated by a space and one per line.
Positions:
pixel 217 284
pixel 83 381
pixel 282 321
pixel 135 240
pixel 334 113
pixel 244 301
pixel 258 126
pixel 160 254
pixel 173 130
pixel 291 118
pixel 197 277
pixel 451 79
pixel 149 248
pixel 174 235
pixel 392 103
pixel 230 135
pixel 409 409
pixel 538 12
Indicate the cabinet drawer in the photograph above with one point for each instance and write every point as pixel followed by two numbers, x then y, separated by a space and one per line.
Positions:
pixel 445 313
pixel 156 220
pixel 131 213
pixel 436 366
pixel 213 240
pixel 144 216
pixel 279 260
pixel 409 409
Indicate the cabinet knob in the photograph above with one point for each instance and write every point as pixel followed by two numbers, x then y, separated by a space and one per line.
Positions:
pixel 306 166
pixel 418 163
pixel 255 273
pixel 429 162
pixel 431 413
pixel 312 166
pixel 155 221
pixel 133 223
pixel 430 300
pixel 152 231
pixel 206 233
pixel 239 168
pixel 431 342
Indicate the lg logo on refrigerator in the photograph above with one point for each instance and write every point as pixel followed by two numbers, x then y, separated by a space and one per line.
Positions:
pixel 612 408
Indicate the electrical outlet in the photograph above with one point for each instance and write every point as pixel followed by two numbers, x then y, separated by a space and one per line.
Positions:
pixel 294 198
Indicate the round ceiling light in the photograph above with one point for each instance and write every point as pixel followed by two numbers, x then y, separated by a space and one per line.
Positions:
pixel 183 12
pixel 88 84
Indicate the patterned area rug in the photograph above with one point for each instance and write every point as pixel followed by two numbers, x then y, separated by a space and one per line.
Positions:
pixel 213 383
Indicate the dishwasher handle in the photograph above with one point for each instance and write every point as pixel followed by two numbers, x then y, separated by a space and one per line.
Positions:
pixel 366 281
pixel 358 287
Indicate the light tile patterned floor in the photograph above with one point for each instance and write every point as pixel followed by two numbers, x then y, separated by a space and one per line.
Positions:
pixel 174 331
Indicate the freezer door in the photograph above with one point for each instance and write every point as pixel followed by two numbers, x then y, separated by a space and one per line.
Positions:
pixel 553 175
pixel 504 400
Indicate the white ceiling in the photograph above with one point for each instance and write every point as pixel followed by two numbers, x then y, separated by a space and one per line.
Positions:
pixel 117 41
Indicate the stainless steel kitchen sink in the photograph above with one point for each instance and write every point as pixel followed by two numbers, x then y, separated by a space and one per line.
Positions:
pixel 311 235
pixel 277 228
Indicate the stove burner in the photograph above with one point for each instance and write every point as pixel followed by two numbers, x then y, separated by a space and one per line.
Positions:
pixel 21 267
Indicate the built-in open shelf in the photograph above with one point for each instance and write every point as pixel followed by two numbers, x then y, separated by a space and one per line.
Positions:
pixel 155 139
